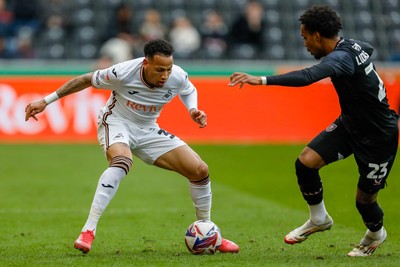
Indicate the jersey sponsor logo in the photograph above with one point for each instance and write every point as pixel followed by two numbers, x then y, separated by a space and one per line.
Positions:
pixel 167 95
pixel 144 108
pixel 331 127
pixel 114 72
pixel 133 92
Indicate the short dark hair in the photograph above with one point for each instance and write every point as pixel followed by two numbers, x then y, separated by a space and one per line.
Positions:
pixel 158 46
pixel 322 19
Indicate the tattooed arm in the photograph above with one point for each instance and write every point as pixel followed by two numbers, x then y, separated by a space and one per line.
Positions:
pixel 75 85
pixel 72 86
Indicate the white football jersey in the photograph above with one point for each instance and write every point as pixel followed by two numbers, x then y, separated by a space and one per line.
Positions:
pixel 132 98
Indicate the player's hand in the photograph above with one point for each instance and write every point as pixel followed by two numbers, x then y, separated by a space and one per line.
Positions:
pixel 242 78
pixel 199 117
pixel 34 108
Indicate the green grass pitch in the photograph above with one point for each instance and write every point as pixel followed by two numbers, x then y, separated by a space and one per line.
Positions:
pixel 46 191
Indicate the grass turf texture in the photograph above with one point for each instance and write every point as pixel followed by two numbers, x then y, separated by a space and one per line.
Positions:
pixel 47 190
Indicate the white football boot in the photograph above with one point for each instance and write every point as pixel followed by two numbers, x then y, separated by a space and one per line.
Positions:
pixel 301 233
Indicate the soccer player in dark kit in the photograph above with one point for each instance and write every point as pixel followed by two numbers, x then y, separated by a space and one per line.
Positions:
pixel 366 127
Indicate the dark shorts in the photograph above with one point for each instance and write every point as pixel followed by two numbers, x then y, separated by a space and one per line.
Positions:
pixel 374 161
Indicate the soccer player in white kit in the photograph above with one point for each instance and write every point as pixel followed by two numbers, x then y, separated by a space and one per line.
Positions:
pixel 127 125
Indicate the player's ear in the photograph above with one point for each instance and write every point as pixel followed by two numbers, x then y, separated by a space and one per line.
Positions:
pixel 317 36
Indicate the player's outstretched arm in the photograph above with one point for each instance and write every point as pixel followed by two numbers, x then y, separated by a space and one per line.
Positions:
pixel 72 86
pixel 242 78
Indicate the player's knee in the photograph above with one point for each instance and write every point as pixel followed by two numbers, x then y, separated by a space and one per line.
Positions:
pixel 305 174
pixel 121 162
pixel 200 173
pixel 365 198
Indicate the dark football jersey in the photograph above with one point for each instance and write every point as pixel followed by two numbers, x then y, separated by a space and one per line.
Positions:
pixel 364 106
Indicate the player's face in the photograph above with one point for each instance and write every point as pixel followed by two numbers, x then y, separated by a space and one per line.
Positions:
pixel 157 70
pixel 312 42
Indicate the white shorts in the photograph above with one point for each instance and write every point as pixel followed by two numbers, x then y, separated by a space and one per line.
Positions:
pixel 146 143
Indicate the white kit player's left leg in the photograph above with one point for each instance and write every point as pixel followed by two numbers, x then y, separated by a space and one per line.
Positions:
pixel 200 192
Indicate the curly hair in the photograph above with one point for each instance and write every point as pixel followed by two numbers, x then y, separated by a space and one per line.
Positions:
pixel 322 19
pixel 158 46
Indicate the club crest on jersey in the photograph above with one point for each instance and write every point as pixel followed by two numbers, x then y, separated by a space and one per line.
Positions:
pixel 331 127
pixel 167 95
pixel 118 136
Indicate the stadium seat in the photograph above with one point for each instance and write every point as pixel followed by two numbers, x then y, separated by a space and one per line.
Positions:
pixel 273 35
pixel 53 35
pixel 272 18
pixel 275 52
pixel 53 51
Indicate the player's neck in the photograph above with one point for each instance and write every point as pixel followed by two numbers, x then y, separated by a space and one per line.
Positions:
pixel 331 44
pixel 145 80
pixel 337 40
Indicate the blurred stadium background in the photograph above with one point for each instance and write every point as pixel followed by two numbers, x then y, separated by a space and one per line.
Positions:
pixel 43 43
pixel 77 29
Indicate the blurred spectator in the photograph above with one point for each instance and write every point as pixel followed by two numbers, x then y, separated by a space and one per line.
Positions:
pixel 25 49
pixel 6 19
pixel 4 51
pixel 25 25
pixel 246 34
pixel 214 33
pixel 113 51
pixel 53 35
pixel 56 12
pixel 26 16
pixel 122 30
pixel 121 22
pixel 184 37
pixel 152 28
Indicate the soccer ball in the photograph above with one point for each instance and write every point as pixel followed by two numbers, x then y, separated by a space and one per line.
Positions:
pixel 203 237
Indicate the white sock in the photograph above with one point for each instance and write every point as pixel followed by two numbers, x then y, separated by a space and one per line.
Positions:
pixel 318 213
pixel 375 235
pixel 106 189
pixel 202 198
